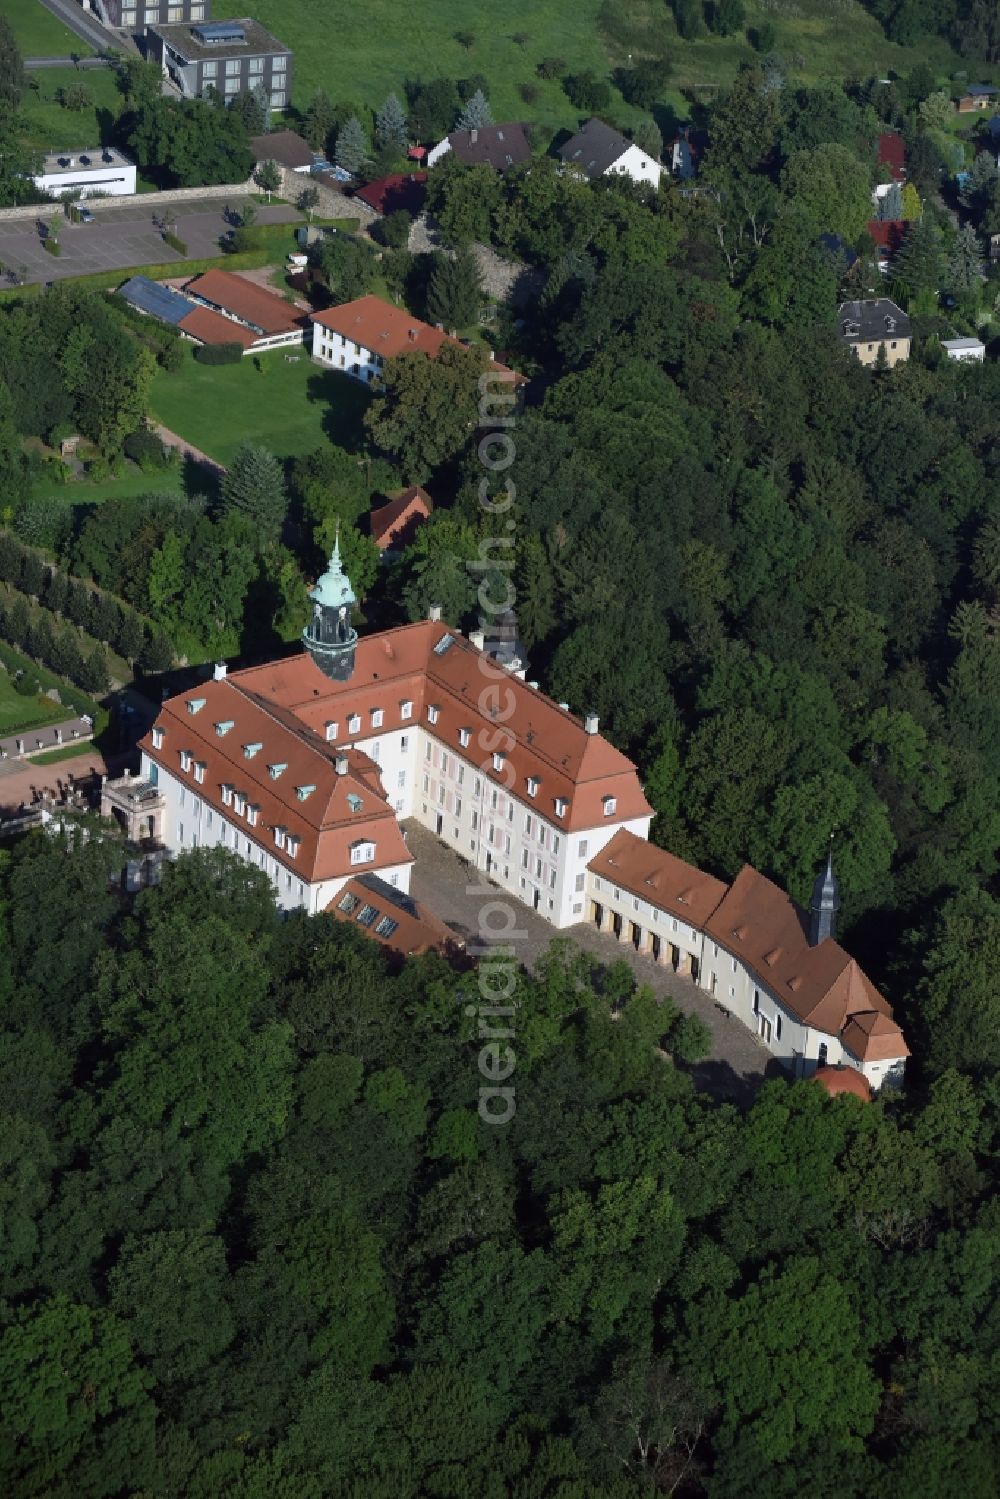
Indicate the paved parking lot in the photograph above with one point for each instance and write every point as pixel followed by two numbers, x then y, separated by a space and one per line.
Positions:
pixel 122 237
pixel 738 1063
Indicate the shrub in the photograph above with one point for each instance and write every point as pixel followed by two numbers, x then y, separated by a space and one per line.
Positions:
pixel 175 243
pixel 529 92
pixel 75 96
pixel 551 67
pixel 25 685
pixel 643 85
pixel 146 449
pixel 219 353
pixel 691 1039
pixel 171 356
pixel 394 230
pixel 763 38
pixel 52 246
pixel 242 241
pixel 587 92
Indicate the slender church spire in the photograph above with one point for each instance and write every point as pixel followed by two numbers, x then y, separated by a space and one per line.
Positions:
pixel 329 637
pixel 825 903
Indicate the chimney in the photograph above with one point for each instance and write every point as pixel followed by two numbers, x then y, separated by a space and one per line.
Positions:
pixel 534 685
pixel 477 638
pixel 591 723
pixel 564 707
pixel 342 765
pixel 219 671
pixel 434 613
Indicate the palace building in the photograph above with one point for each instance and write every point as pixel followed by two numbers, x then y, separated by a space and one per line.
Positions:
pixel 307 766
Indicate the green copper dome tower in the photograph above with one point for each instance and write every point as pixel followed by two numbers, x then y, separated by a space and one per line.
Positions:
pixel 329 637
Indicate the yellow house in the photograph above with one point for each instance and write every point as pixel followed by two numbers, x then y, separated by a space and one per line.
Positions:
pixel 873 325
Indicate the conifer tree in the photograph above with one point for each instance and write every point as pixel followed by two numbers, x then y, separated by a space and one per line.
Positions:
pixel 965 263
pixel 390 126
pixel 320 120
pixel 352 146
pixel 255 487
pixel 476 113
pixel 920 263
pixel 455 291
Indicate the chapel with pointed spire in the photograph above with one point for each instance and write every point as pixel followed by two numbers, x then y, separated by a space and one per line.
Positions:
pixel 329 637
pixel 825 903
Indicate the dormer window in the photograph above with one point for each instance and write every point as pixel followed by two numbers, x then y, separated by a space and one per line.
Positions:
pixel 185 759
pixel 464 736
pixel 280 835
pixel 561 806
pixel 239 803
pixel 293 845
pixel 498 759
pixel 199 771
pixel 354 801
pixel 377 716
pixel 249 750
pixel 303 792
pixel 253 812
pixel 610 805
pixel 157 738
pixel 533 784
pixel 890 324
pixel 195 704
pixel 331 732
pixel 432 714
pixel 222 728
pixel 227 796
pixel 406 709
pixel 362 853
pixel 274 771
pixel 354 724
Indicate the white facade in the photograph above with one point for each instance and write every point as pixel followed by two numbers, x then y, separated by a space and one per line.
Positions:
pixel 964 349
pixel 190 821
pixel 340 353
pixel 636 164
pixel 436 153
pixel 101 170
pixel 671 942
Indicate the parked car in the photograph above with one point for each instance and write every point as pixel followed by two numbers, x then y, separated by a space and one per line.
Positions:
pixel 86 217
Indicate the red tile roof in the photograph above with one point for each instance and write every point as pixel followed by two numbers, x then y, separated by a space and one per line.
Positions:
pixel 396 522
pixel 210 327
pixel 306 796
pixel 843 1080
pixel 540 740
pixel 659 877
pixel 888 234
pixel 822 985
pixel 892 154
pixel 246 300
pixel 383 328
pixel 392 918
pixel 400 190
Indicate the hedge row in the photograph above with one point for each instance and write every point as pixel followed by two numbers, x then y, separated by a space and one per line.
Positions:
pixel 92 610
pixel 219 353
pixel 55 646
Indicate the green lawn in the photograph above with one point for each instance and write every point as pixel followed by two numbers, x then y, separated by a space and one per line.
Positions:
pixel 85 492
pixel 287 408
pixel 50 127
pixel 17 712
pixel 38 32
pixel 819 38
pixel 66 752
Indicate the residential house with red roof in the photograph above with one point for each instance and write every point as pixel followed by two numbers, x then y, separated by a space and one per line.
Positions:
pixel 394 524
pixel 230 309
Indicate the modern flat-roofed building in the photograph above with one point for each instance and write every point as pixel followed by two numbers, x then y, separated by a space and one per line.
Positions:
pixel 136 15
pixel 102 169
pixel 231 56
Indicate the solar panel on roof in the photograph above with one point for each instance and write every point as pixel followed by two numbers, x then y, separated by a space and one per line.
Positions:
pixel 159 301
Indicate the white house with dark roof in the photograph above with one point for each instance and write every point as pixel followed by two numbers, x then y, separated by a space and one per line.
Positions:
pixel 597 150
pixel 875 326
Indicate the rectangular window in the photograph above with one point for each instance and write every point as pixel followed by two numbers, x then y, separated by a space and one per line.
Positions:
pixel 458 806
pixel 528 824
pixel 461 775
pixel 579 883
pixel 401 779
pixel 255 67
pixel 181 797
pixel 560 806
pixel 475 821
pixel 354 724
pixel 427 750
pixel 444 764
pixel 734 965
pixel 426 783
pixel 386 927
pixel 406 710
pixel 404 743
pixel 463 738
pixel 180 832
pixel 232 67
pixel 279 64
pixel 555 844
pixel 377 716
pixel 777 1026
pixel 331 732
pixel 432 714
pixel 582 849
pixel 476 786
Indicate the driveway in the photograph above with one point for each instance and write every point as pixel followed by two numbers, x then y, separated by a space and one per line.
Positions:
pixel 738 1063
pixel 121 237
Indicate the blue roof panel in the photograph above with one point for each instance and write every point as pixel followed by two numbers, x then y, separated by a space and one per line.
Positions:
pixel 159 301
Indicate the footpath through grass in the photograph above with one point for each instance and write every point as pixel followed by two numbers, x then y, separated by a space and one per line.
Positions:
pixel 39 33
pixel 288 407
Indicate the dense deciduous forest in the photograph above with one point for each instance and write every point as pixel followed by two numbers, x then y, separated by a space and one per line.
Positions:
pixel 257 1242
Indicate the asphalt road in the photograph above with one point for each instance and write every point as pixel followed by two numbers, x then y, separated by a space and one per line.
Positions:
pixel 121 237
pixel 81 23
